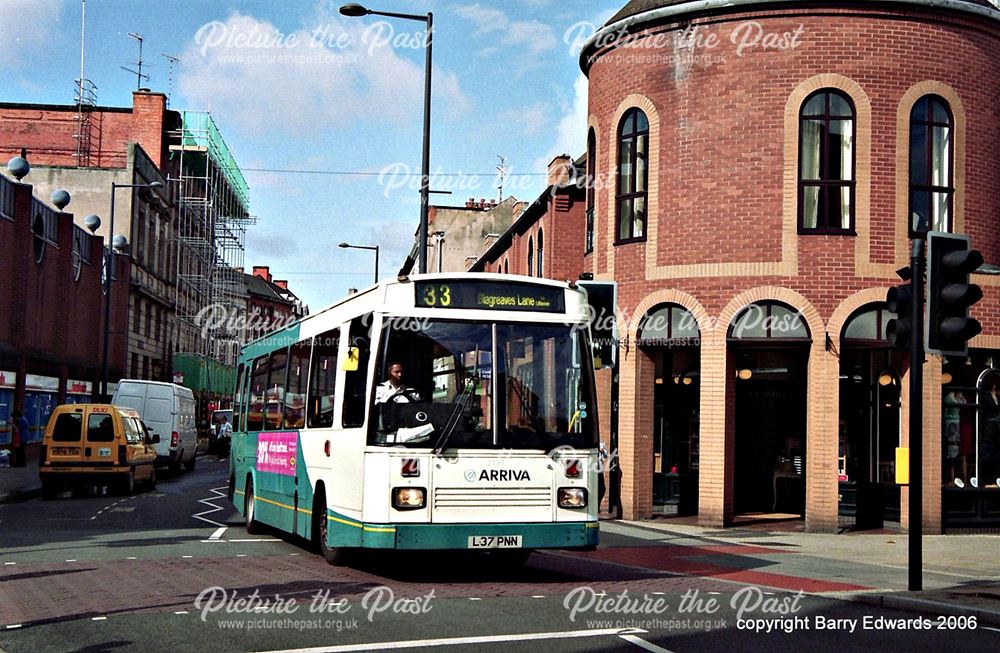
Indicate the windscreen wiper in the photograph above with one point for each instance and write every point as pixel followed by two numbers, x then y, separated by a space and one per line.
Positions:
pixel 461 403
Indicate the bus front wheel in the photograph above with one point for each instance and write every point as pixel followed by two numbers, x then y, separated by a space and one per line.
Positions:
pixel 321 527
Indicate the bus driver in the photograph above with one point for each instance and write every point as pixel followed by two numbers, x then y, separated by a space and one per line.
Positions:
pixel 392 389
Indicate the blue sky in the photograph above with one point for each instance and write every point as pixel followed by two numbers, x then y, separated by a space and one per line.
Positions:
pixel 295 86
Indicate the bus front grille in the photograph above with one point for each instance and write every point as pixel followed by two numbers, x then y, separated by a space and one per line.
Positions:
pixel 456 497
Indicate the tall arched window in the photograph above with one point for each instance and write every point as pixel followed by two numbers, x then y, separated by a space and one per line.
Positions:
pixel 588 243
pixel 633 148
pixel 531 256
pixel 541 269
pixel 931 185
pixel 826 163
pixel 506 266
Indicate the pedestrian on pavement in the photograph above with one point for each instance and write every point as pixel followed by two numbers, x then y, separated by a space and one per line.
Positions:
pixel 602 453
pixel 19 437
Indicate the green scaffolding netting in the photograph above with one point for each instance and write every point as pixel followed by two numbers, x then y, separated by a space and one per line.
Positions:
pixel 199 130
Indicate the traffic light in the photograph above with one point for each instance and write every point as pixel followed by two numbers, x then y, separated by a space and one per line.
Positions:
pixel 950 261
pixel 899 300
pixel 602 297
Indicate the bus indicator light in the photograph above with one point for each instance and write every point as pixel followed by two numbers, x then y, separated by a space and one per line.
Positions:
pixel 573 469
pixel 410 467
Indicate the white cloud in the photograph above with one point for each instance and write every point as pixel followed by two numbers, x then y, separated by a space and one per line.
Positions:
pixel 571 134
pixel 27 26
pixel 324 75
pixel 527 120
pixel 531 35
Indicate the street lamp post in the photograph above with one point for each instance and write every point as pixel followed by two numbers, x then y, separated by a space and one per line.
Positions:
pixel 356 10
pixel 373 249
pixel 109 261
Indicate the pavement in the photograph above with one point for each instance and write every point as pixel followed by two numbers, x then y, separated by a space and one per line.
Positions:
pixel 21 483
pixel 961 573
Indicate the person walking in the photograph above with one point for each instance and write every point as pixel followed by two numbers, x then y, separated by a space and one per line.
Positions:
pixel 19 436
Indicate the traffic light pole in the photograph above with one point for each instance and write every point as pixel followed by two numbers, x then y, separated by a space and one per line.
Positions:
pixel 915 535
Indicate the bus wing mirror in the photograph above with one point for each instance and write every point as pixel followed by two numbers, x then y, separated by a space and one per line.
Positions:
pixel 350 364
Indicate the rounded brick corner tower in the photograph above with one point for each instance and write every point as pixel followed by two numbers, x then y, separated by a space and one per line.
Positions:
pixel 759 169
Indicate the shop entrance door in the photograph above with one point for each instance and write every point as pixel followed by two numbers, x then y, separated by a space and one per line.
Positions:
pixel 770 430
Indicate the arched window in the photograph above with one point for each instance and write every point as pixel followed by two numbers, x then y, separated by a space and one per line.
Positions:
pixel 769 321
pixel 826 163
pixel 633 147
pixel 669 325
pixel 931 184
pixel 588 243
pixel 506 266
pixel 541 269
pixel 867 325
pixel 531 256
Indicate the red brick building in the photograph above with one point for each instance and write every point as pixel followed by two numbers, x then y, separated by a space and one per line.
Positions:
pixel 52 312
pixel 759 170
pixel 270 304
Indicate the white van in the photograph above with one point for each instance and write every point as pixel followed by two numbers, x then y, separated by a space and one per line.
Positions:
pixel 168 410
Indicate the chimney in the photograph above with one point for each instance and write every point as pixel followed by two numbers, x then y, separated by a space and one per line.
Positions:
pixel 281 283
pixel 559 170
pixel 262 271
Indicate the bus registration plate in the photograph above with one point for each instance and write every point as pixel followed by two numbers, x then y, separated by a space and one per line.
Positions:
pixel 495 542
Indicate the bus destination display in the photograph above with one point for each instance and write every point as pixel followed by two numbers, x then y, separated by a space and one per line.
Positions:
pixel 489 295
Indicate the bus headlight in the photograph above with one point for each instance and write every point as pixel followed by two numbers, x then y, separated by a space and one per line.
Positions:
pixel 572 497
pixel 409 498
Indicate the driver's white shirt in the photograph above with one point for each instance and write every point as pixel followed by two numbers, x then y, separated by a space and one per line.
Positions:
pixel 386 390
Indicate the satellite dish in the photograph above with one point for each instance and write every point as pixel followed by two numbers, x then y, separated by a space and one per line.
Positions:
pixel 92 223
pixel 61 198
pixel 19 167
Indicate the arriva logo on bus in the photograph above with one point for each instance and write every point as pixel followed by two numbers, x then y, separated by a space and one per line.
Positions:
pixel 497 475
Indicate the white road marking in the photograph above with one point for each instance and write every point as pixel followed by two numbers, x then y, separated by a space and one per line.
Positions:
pixel 475 598
pixel 98 618
pixel 71 560
pixel 538 596
pixel 458 641
pixel 241 555
pixel 10 563
pixel 181 612
pixel 218 533
pixel 13 626
pixel 219 494
pixel 186 556
pixel 130 558
pixel 641 643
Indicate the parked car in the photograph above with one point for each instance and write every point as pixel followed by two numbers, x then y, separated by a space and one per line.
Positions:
pixel 169 411
pixel 96 444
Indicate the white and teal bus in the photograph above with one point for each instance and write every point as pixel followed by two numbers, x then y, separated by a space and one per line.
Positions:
pixel 487 441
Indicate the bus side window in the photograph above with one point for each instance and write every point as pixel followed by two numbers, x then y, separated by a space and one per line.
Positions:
pixel 356 383
pixel 295 391
pixel 322 379
pixel 258 385
pixel 273 411
pixel 240 423
pixel 238 397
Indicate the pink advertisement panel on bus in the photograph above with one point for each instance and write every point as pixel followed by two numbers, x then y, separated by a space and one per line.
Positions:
pixel 276 453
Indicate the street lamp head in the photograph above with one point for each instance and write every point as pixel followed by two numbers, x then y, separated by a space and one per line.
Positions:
pixel 343 245
pixel 119 243
pixel 155 184
pixel 353 10
pixel 92 222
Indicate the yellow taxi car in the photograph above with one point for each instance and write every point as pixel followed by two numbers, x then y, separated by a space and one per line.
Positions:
pixel 96 444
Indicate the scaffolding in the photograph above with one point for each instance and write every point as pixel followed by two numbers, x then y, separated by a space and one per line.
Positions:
pixel 213 212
